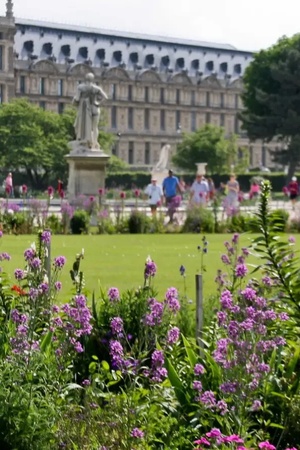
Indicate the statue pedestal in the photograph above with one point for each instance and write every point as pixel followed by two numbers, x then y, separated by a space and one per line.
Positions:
pixel 159 175
pixel 86 170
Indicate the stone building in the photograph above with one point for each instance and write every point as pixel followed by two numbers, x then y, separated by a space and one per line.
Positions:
pixel 158 87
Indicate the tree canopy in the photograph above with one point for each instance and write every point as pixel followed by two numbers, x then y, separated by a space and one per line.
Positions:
pixel 36 141
pixel 272 98
pixel 209 145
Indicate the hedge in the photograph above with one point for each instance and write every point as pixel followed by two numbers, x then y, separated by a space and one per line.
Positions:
pixel 130 180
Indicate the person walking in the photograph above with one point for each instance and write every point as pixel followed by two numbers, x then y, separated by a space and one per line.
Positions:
pixel 199 191
pixel 155 196
pixel 293 189
pixel 9 185
pixel 170 187
pixel 232 197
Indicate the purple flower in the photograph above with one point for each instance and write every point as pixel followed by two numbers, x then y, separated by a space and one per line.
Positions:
pixel 241 270
pixel 292 240
pixel 171 299
pixel 157 358
pixel 5 256
pixel 33 293
pixel 225 259
pixel 113 294
pixel 173 335
pixel 29 254
pixel 86 383
pixel 249 293
pixel 46 237
pixel 208 398
pixel 78 347
pixel 283 316
pixel 197 385
pixel 226 299
pixel 116 353
pixel 235 238
pixel 35 263
pixel 116 325
pixel 256 405
pixel 19 274
pixel 137 433
pixel 182 270
pixel 199 369
pixel 150 269
pixel 245 251
pixel 267 281
pixel 214 433
pixel 44 288
pixel 57 285
pixel 59 262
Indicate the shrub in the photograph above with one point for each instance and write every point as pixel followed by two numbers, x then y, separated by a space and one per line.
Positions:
pixel 198 220
pixel 279 220
pixel 80 222
pixel 138 223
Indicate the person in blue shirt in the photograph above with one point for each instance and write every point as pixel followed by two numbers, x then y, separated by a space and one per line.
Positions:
pixel 170 187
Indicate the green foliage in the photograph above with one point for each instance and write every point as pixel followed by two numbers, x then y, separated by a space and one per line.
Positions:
pixel 271 98
pixel 80 222
pixel 198 220
pixel 138 223
pixel 209 144
pixel 116 164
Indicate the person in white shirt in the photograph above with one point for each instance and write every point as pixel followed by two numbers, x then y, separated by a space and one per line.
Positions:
pixel 199 191
pixel 155 195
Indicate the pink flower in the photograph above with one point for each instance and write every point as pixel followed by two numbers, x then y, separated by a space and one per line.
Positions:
pixel 50 191
pixel 233 438
pixel 266 446
pixel 24 189
pixel 137 193
pixel 214 433
pixel 122 194
pixel 92 199
pixel 62 193
pixel 100 192
pixel 202 440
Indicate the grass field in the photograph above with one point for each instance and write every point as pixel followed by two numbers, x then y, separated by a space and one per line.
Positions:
pixel 118 260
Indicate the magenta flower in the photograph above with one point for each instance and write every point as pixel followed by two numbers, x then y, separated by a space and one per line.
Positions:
pixel 137 193
pixel 199 369
pixel 241 270
pixel 59 262
pixel 50 191
pixel 24 189
pixel 137 433
pixel 214 433
pixel 101 192
pixel 202 441
pixel 173 335
pixel 233 438
pixel 122 195
pixel 266 446
pixel 113 294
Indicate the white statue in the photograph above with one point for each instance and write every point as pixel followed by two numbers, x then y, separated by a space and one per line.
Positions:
pixel 88 98
pixel 163 158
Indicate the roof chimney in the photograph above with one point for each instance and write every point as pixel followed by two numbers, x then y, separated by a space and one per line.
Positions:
pixel 9 9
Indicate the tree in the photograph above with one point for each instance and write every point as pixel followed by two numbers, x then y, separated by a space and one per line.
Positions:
pixel 272 99
pixel 36 141
pixel 209 144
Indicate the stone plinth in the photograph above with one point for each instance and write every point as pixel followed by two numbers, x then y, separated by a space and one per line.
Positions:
pixel 159 175
pixel 86 170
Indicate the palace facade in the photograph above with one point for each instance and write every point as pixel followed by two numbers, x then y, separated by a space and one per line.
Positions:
pixel 158 87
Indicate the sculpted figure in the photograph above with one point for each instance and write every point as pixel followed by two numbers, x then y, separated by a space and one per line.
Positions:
pixel 163 158
pixel 88 98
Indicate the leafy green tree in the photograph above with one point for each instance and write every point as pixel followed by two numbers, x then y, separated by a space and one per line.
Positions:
pixel 36 141
pixel 209 144
pixel 272 99
pixel 116 164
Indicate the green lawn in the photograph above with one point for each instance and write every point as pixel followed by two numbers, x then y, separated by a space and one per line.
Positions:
pixel 119 260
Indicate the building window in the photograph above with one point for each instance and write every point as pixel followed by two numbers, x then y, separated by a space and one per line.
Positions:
pixel 22 84
pixel 207 98
pixel 236 101
pixel 263 156
pixel 1 93
pixel 1 57
pixel 162 120
pixel 131 153
pixel 222 100
pixel 207 117
pixel 42 86
pixel 114 117
pixel 236 125
pixel 130 92
pixel 178 120
pixel 42 105
pixel 222 120
pixel 147 152
pixel 130 118
pixel 113 91
pixel 162 96
pixel 147 119
pixel 61 107
pixel 193 98
pixel 177 96
pixel 60 87
pixel 193 121
pixel 147 94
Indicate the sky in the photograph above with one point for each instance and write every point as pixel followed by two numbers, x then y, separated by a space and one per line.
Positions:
pixel 248 25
